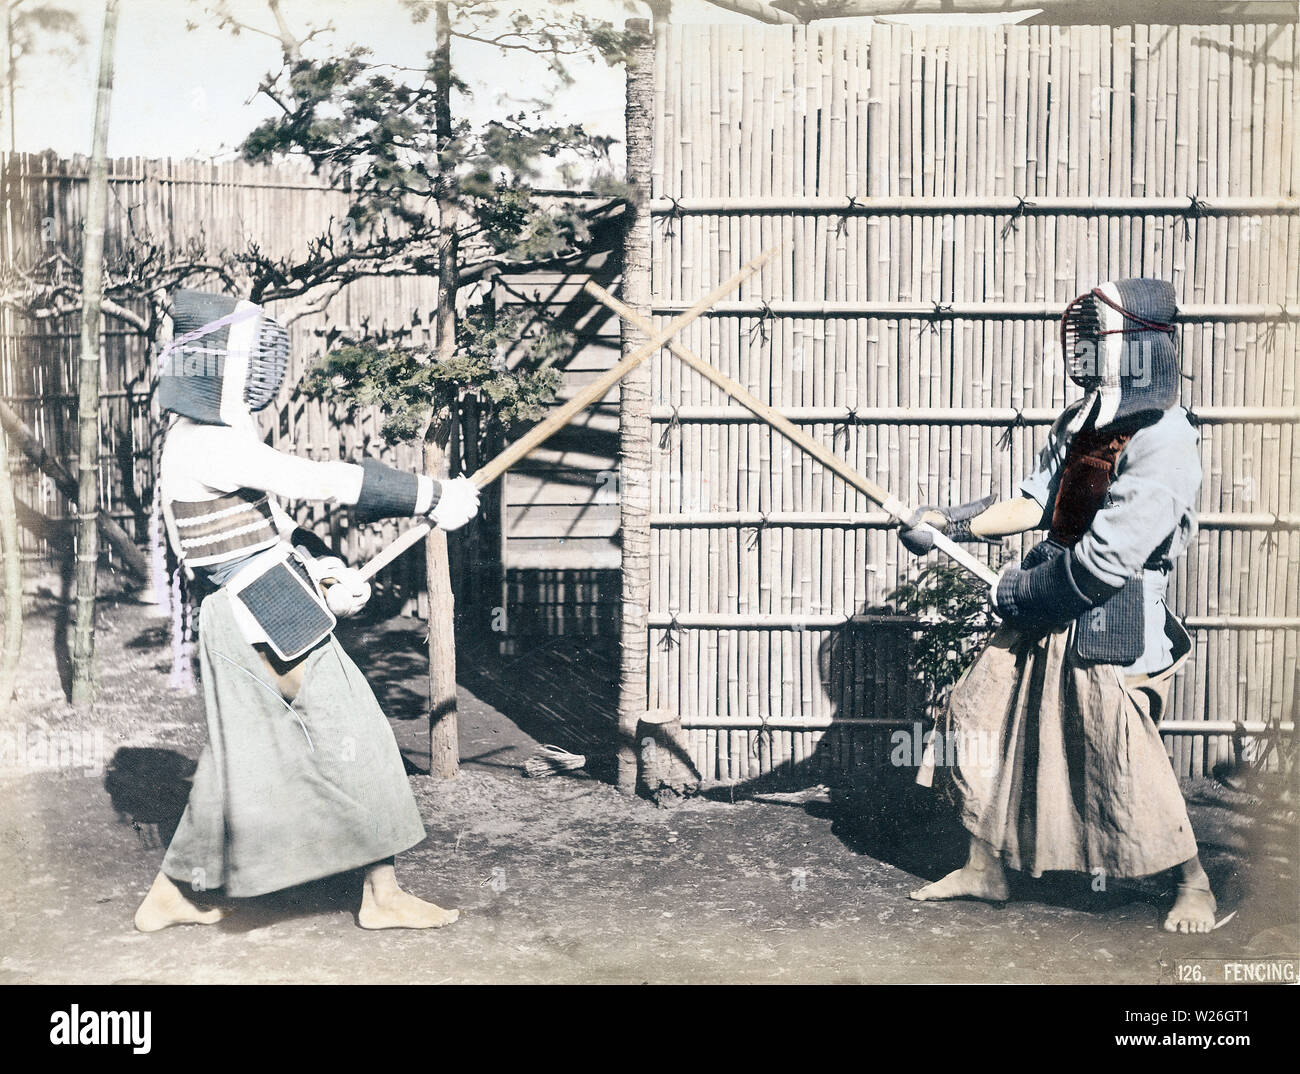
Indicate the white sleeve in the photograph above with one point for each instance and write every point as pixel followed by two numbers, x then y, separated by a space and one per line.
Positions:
pixel 227 459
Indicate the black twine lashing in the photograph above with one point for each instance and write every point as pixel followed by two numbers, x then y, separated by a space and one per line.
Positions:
pixel 1269 336
pixel 675 422
pixel 1196 208
pixel 936 315
pixel 755 529
pixel 844 216
pixel 671 216
pixel 671 631
pixel 845 426
pixel 1269 540
pixel 1018 422
pixel 1013 221
pixel 765 314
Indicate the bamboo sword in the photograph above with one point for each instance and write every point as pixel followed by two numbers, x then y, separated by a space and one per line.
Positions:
pixel 495 467
pixel 797 436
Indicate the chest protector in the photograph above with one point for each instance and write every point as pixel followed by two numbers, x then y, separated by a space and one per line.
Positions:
pixel 1085 479
pixel 1112 632
pixel 232 541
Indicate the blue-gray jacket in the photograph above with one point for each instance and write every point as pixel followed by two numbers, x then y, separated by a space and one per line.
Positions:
pixel 1145 525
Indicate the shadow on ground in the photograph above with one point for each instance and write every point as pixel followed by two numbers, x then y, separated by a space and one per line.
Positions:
pixel 149 788
pixel 802 876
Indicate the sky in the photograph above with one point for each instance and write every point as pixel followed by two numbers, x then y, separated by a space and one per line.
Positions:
pixel 192 92
pixel 182 92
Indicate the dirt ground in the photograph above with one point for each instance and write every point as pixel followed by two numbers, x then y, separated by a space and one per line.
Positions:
pixel 561 879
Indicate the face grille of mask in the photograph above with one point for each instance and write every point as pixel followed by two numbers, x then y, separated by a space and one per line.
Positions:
pixel 1081 341
pixel 266 364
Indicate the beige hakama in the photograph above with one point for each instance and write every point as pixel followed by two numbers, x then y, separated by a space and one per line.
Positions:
pixel 1060 764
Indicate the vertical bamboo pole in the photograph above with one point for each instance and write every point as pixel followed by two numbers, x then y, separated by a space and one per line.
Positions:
pixel 92 276
pixel 1288 288
pixel 444 735
pixel 737 596
pixel 13 582
pixel 634 410
pixel 971 234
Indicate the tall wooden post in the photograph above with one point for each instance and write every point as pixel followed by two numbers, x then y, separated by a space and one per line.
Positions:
pixel 444 734
pixel 92 284
pixel 634 412
pixel 13 582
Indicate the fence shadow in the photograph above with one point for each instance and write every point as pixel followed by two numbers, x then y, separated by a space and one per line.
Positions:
pixel 559 690
pixel 874 803
pixel 392 655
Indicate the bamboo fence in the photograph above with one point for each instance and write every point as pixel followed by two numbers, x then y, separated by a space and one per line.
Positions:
pixel 941 192
pixel 225 207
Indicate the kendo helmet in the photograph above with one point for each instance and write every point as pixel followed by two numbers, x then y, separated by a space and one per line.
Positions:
pixel 226 356
pixel 1118 344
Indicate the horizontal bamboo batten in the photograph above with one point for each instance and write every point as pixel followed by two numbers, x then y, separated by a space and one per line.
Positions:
pixel 957 311
pixel 707 519
pixel 673 621
pixel 1167 727
pixel 1206 415
pixel 998 206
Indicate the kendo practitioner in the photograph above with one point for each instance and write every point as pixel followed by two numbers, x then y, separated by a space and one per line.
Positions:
pixel 301 777
pixel 1055 751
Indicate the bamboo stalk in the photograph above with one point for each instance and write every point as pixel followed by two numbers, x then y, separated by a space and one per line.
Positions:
pixel 1028 204
pixel 92 273
pixel 828 415
pixel 1168 727
pixel 824 620
pixel 843 519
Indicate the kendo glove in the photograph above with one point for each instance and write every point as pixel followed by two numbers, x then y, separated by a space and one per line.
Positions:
pixel 457 504
pixel 346 592
pixel 917 539
pixel 1048 589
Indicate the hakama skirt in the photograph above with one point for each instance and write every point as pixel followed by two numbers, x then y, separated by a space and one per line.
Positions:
pixel 287 792
pixel 1059 762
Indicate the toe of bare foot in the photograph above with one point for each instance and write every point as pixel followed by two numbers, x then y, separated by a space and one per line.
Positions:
pixel 965 883
pixel 404 911
pixel 1193 912
pixel 153 918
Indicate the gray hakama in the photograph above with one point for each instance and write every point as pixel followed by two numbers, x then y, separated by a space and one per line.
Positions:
pixel 1059 762
pixel 287 792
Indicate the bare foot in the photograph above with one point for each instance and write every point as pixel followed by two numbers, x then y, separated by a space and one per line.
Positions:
pixel 398 909
pixel 1193 909
pixel 167 905
pixel 968 882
